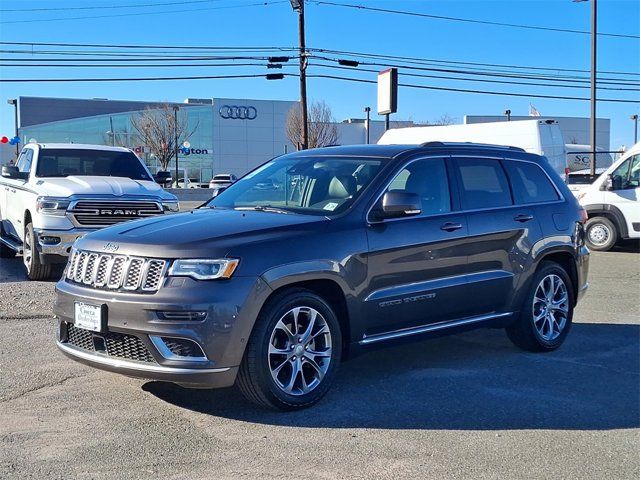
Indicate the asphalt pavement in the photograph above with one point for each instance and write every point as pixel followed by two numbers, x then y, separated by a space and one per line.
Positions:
pixel 467 406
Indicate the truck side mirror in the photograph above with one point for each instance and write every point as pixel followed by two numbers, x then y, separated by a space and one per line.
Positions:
pixel 11 171
pixel 613 182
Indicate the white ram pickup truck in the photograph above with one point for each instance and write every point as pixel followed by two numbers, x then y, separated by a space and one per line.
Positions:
pixel 56 193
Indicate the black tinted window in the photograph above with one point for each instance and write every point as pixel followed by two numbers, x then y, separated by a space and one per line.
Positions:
pixel 484 184
pixel 428 179
pixel 58 162
pixel 530 183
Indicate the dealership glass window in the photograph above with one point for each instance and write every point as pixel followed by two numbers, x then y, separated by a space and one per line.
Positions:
pixel 530 183
pixel 483 183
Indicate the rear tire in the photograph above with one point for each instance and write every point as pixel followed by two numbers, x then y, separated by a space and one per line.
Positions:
pixel 601 234
pixel 293 352
pixel 31 259
pixel 547 313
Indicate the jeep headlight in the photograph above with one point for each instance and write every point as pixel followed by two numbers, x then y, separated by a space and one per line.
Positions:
pixel 170 206
pixel 203 269
pixel 52 206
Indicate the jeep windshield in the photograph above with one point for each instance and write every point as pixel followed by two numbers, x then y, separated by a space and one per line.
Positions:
pixel 315 186
pixel 60 162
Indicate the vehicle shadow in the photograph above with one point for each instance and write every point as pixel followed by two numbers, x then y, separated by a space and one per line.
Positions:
pixel 473 381
pixel 12 270
pixel 627 246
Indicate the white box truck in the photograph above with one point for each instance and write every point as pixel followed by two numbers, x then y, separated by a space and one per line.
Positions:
pixel 542 137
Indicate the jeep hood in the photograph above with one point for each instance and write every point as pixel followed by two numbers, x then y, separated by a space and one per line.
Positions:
pixel 99 185
pixel 205 233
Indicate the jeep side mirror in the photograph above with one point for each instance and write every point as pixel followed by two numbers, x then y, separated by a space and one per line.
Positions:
pixel 11 171
pixel 162 177
pixel 400 204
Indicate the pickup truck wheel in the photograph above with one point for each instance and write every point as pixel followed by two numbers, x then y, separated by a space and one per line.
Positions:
pixel 547 313
pixel 601 234
pixel 31 259
pixel 293 353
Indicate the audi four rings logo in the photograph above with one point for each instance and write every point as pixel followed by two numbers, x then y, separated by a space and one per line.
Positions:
pixel 238 112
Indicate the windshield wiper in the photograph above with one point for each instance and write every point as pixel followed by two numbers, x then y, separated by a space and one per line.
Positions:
pixel 266 208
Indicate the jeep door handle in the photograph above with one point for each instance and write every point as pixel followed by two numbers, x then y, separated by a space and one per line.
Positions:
pixel 523 218
pixel 451 227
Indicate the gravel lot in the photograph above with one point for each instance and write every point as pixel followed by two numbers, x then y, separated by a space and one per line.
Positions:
pixel 468 406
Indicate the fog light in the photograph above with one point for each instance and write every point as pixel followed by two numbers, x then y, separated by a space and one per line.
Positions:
pixel 50 240
pixel 182 316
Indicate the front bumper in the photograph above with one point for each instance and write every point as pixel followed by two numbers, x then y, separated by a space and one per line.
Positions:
pixel 58 242
pixel 231 309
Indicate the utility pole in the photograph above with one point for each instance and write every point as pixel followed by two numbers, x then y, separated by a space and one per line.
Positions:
pixel 594 35
pixel 367 110
pixel 635 134
pixel 298 5
pixel 175 145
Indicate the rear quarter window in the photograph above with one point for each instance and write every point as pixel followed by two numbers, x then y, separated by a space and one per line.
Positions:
pixel 529 183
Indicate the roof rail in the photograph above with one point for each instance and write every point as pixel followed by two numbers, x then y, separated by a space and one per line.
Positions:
pixel 470 145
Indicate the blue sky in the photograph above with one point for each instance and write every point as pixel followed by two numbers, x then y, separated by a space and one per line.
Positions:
pixel 331 27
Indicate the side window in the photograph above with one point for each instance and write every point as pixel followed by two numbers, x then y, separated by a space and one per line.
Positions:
pixel 428 179
pixel 24 164
pixel 621 174
pixel 483 184
pixel 21 159
pixel 530 184
pixel 634 173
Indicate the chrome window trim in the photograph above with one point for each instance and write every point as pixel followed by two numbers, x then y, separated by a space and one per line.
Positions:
pixel 562 198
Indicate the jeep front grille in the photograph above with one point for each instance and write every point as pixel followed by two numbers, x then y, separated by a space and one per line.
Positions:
pixel 115 272
pixel 114 344
pixel 93 213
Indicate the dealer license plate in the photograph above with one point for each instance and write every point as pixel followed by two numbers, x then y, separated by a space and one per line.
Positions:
pixel 88 316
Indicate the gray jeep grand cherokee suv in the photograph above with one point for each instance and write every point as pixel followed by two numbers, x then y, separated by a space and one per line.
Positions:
pixel 349 248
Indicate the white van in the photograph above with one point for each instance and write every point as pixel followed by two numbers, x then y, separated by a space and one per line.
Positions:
pixel 542 137
pixel 612 203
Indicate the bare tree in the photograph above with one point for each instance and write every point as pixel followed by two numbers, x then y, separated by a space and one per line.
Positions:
pixel 158 129
pixel 321 125
pixel 444 119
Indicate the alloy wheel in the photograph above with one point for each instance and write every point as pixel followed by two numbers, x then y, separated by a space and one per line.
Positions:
pixel 300 351
pixel 27 249
pixel 550 307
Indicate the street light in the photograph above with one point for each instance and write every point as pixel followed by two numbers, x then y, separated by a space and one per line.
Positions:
pixel 635 134
pixel 175 145
pixel 367 110
pixel 14 102
pixel 298 6
pixel 594 35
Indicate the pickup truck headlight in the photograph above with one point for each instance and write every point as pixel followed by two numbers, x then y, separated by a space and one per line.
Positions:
pixel 203 269
pixel 52 206
pixel 170 206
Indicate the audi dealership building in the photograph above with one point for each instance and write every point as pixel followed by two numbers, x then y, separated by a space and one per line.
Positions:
pixel 229 135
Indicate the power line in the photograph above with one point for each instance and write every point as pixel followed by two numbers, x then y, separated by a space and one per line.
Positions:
pixel 506 82
pixel 463 90
pixel 469 20
pixel 134 79
pixel 105 7
pixel 421 61
pixel 145 13
pixel 164 47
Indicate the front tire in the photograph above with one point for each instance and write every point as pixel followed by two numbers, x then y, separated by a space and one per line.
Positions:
pixel 601 234
pixel 547 313
pixel 293 353
pixel 35 269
